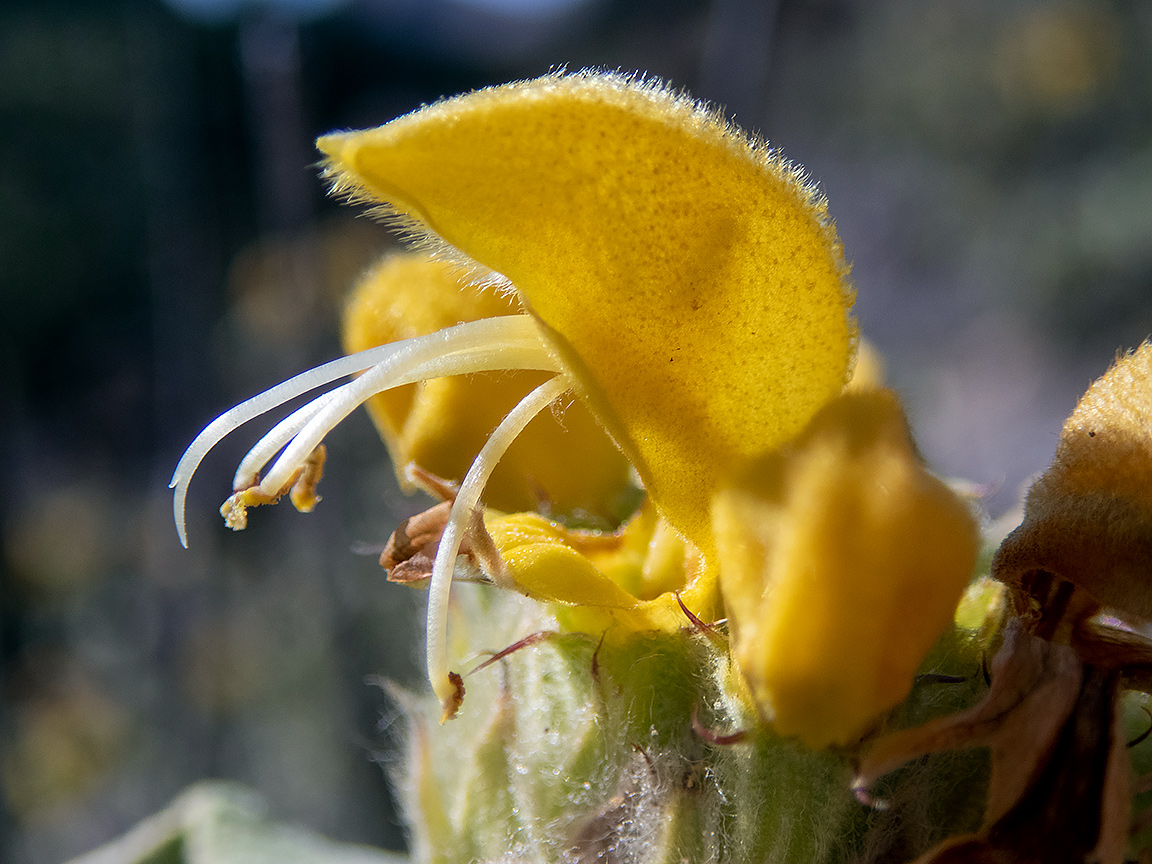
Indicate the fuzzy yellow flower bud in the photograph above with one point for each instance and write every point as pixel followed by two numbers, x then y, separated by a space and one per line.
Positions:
pixel 675 275
pixel 842 560
pixel 1088 518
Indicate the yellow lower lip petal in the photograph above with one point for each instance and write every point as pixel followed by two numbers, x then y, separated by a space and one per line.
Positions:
pixel 841 563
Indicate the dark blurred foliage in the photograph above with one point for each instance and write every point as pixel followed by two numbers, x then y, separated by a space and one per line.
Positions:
pixel 166 250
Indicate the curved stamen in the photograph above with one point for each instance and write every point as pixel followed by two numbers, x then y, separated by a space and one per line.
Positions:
pixel 418 361
pixel 462 508
pixel 279 435
pixel 506 342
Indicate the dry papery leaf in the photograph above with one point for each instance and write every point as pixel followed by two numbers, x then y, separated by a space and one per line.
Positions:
pixel 410 552
pixel 1059 785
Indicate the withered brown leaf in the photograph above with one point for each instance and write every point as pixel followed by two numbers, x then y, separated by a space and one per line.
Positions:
pixel 1059 785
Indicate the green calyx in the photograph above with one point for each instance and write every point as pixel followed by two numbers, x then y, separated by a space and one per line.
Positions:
pixel 574 748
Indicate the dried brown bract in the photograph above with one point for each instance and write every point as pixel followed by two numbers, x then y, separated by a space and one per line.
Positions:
pixel 410 553
pixel 1059 785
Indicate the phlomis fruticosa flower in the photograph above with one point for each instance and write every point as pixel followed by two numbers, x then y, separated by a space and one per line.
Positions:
pixel 675 279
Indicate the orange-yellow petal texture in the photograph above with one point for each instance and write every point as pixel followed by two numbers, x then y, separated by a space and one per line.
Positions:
pixel 686 275
pixel 613 583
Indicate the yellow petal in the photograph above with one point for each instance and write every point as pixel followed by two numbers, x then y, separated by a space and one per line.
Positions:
pixel 442 424
pixel 1088 518
pixel 841 563
pixel 686 275
pixel 544 566
pixel 584 571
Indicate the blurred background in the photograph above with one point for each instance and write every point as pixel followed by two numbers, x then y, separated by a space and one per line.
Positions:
pixel 166 250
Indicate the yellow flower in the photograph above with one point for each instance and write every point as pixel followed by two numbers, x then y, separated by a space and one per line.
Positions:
pixel 678 278
pixel 685 277
pixel 631 577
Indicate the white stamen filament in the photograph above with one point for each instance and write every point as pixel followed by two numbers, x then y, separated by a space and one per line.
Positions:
pixel 507 342
pixel 416 362
pixel 466 502
pixel 277 437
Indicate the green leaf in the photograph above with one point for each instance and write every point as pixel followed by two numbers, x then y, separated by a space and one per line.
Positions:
pixel 223 823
